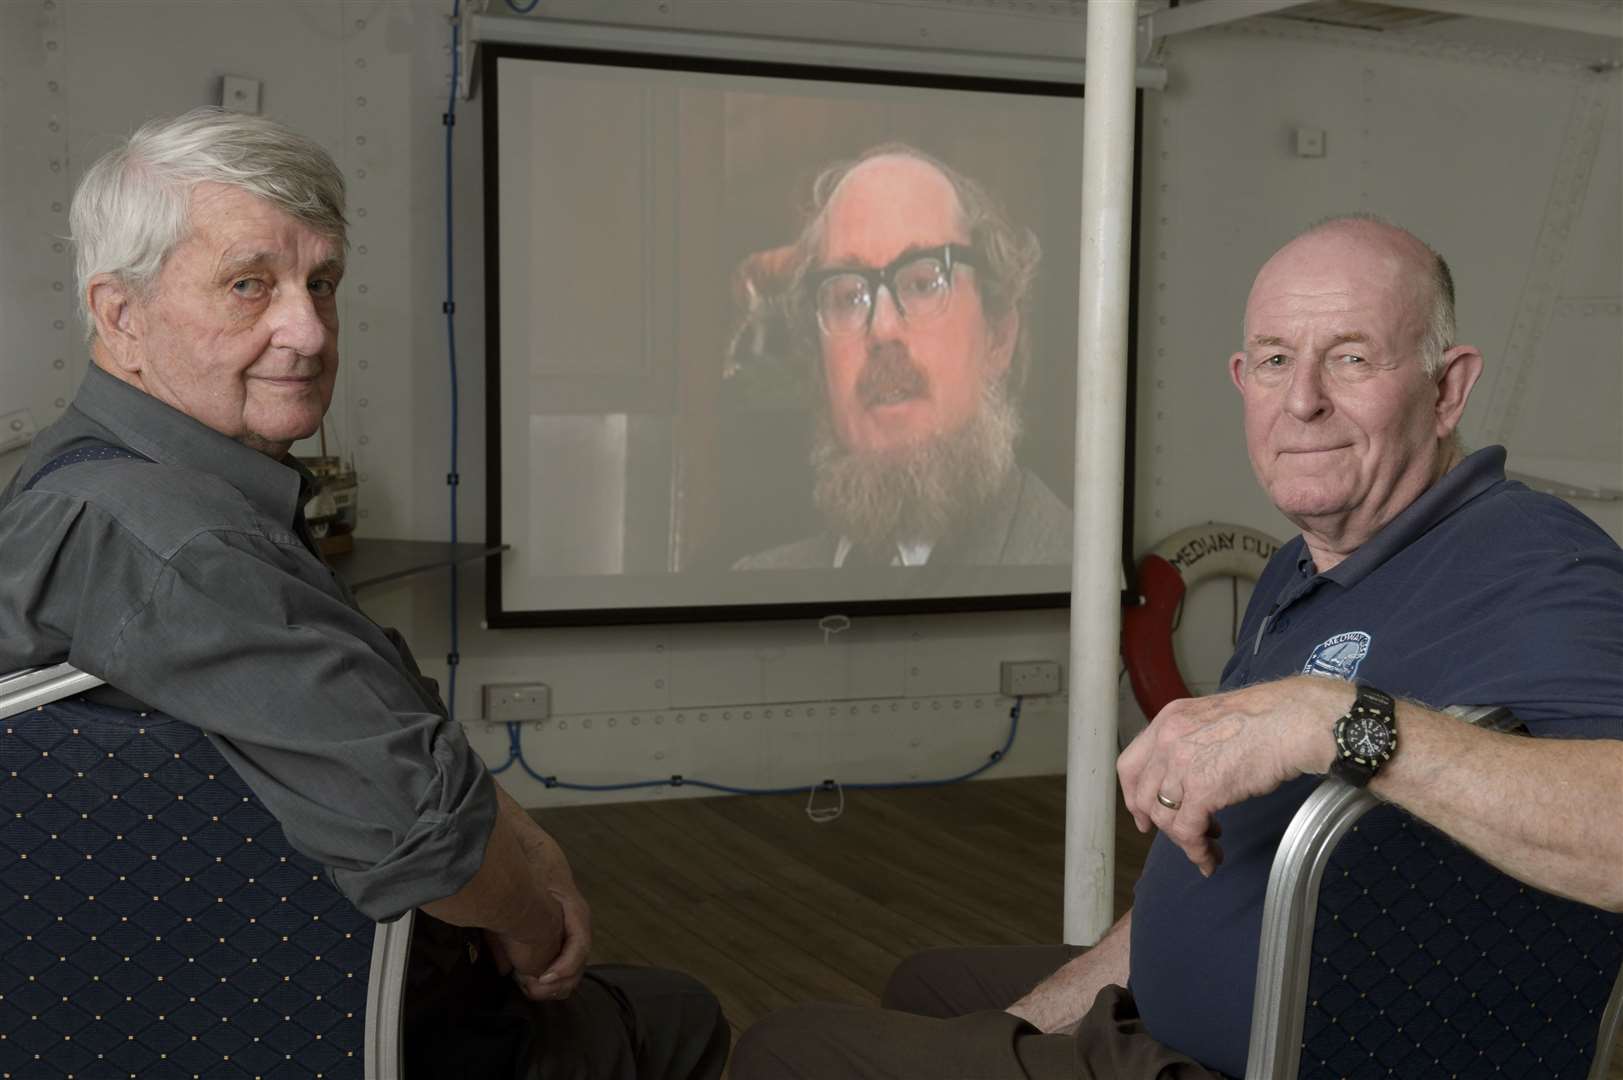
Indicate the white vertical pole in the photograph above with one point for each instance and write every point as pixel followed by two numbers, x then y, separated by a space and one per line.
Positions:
pixel 1101 394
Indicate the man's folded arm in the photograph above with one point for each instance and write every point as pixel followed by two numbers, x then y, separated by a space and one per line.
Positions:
pixel 523 895
pixel 1547 811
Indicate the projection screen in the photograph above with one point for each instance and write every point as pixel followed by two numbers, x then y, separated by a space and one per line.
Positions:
pixel 704 402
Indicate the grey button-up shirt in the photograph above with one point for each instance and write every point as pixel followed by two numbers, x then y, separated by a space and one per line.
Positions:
pixel 183 582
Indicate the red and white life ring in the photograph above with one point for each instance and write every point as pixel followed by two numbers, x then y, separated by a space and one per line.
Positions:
pixel 1172 567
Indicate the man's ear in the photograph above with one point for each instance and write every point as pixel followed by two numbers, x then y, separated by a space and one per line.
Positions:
pixel 112 305
pixel 1237 371
pixel 1004 334
pixel 1462 366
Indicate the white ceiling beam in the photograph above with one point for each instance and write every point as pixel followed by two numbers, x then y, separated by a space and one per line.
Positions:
pixel 1198 16
pixel 1601 20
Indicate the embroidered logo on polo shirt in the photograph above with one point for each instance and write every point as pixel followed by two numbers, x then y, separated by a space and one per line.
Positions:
pixel 1338 657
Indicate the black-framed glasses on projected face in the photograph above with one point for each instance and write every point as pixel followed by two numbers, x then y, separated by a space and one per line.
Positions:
pixel 919 282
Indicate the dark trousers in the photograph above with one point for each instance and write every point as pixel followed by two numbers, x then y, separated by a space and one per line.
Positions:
pixel 621 1023
pixel 942 1019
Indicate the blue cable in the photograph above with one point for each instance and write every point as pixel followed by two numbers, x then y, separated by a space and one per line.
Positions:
pixel 526 9
pixel 515 752
pixel 452 480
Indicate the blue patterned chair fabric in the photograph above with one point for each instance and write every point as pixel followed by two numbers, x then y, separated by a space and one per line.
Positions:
pixel 154 921
pixel 1429 962
pixel 1388 949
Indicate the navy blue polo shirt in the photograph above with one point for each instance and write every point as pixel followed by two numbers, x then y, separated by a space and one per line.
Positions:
pixel 1481 592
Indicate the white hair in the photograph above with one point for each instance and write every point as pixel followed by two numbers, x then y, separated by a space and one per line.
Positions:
pixel 133 206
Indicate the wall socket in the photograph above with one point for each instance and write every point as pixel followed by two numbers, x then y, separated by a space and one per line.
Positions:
pixel 1028 678
pixel 517 703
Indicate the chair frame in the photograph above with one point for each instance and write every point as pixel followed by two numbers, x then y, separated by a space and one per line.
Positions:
pixel 383 1038
pixel 1286 949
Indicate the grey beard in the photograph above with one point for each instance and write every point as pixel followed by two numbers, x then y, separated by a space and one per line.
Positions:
pixel 921 493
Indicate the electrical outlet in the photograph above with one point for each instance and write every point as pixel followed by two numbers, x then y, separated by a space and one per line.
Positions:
pixel 517 703
pixel 1028 678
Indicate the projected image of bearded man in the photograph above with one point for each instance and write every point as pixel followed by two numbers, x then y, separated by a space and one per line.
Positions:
pixel 907 293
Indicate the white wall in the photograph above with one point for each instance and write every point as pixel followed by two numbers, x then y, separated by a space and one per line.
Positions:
pixel 1507 163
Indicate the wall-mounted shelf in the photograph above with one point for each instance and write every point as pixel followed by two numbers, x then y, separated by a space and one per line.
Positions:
pixel 374 562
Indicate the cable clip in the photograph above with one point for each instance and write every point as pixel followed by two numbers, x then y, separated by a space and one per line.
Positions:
pixel 676 780
pixel 825 814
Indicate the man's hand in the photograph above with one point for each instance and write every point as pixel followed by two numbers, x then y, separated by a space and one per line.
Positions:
pixel 549 971
pixel 544 975
pixel 1204 754
pixel 1058 1003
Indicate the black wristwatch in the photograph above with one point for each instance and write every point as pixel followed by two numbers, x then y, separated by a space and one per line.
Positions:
pixel 1366 737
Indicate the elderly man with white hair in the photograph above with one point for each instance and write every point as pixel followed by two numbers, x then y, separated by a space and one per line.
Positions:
pixel 155 538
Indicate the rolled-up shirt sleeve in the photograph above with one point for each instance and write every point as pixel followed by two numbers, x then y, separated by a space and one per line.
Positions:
pixel 327 721
pixel 435 858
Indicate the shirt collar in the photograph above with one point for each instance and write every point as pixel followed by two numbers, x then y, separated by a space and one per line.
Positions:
pixel 1458 486
pixel 167 435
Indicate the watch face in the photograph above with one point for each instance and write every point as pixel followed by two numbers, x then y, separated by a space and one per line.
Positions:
pixel 1367 737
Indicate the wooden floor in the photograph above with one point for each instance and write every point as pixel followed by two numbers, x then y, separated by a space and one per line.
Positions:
pixel 768 908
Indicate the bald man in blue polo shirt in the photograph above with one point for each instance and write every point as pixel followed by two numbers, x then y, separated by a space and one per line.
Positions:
pixel 1422 578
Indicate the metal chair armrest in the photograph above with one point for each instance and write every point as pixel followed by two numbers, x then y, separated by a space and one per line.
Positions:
pixel 33 687
pixel 385 998
pixel 1491 717
pixel 1607 1039
pixel 1286 944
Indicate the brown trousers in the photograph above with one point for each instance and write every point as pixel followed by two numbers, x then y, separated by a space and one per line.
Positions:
pixel 943 1019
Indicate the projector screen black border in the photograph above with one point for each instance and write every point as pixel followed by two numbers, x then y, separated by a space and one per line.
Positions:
pixel 499 617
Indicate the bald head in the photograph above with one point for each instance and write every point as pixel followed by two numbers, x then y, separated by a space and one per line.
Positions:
pixel 1417 277
pixel 881 202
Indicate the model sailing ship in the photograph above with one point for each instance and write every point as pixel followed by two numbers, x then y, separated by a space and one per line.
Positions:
pixel 330 512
